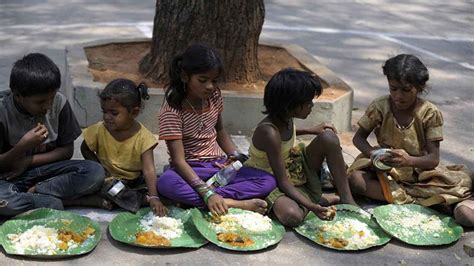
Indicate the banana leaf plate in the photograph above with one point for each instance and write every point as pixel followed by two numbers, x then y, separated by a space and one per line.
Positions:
pixel 417 225
pixel 49 218
pixel 259 240
pixel 126 225
pixel 351 229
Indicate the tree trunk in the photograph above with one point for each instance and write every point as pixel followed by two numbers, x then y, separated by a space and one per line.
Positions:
pixel 230 26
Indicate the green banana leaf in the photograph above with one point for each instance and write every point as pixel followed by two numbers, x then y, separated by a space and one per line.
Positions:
pixel 395 220
pixel 61 220
pixel 202 220
pixel 125 225
pixel 345 226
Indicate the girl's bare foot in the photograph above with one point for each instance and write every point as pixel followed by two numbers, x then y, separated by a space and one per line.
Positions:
pixel 329 199
pixel 256 205
pixel 349 200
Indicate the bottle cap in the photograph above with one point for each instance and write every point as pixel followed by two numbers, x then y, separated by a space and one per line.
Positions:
pixel 237 165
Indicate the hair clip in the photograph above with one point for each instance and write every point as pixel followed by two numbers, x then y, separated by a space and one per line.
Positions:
pixel 143 90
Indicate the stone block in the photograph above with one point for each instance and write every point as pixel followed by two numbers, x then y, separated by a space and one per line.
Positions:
pixel 242 111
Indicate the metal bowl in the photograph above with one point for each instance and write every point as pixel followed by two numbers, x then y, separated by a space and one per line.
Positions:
pixel 376 156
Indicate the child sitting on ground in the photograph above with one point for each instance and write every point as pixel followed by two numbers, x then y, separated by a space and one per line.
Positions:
pixel 191 124
pixel 124 147
pixel 37 133
pixel 411 128
pixel 290 94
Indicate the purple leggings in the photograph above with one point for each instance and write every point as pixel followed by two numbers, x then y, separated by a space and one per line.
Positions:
pixel 248 184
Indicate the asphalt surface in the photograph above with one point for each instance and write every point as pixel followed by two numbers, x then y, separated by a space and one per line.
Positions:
pixel 352 38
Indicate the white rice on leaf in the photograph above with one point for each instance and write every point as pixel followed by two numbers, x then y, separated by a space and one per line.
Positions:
pixel 167 227
pixel 416 223
pixel 360 234
pixel 38 239
pixel 249 221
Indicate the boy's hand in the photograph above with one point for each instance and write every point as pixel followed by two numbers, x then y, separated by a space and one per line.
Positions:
pixel 157 207
pixel 324 126
pixel 34 137
pixel 17 168
pixel 217 205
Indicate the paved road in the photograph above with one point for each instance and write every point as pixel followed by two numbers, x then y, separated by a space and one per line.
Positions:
pixel 353 38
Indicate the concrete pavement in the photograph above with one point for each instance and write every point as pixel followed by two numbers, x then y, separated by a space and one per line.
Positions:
pixel 352 38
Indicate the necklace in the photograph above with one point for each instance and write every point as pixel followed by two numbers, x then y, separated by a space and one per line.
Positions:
pixel 404 125
pixel 201 124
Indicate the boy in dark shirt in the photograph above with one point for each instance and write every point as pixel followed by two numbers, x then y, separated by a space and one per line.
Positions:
pixel 37 133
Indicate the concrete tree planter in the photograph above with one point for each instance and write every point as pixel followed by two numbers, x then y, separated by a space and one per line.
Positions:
pixel 242 111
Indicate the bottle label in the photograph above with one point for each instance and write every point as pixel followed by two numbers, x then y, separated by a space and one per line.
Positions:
pixel 115 189
pixel 212 182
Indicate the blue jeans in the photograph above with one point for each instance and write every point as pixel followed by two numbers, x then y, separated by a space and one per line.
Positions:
pixel 69 179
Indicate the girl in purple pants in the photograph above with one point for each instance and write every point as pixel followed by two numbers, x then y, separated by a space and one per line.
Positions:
pixel 191 124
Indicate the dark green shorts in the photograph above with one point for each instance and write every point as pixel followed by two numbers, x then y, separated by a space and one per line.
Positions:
pixel 311 189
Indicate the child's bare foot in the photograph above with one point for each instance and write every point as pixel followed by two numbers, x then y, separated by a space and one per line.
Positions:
pixel 106 205
pixel 256 205
pixel 329 199
pixel 349 200
pixel 32 189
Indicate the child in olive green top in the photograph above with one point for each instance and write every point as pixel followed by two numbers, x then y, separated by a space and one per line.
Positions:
pixel 289 94
pixel 411 128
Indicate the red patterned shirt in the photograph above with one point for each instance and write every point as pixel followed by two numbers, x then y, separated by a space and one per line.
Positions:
pixel 196 130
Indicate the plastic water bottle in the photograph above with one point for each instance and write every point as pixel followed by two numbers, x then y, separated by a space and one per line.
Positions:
pixel 325 173
pixel 325 176
pixel 225 175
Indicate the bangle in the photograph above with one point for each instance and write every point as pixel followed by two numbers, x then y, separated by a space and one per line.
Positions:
pixel 196 182
pixel 234 153
pixel 152 197
pixel 207 195
pixel 202 189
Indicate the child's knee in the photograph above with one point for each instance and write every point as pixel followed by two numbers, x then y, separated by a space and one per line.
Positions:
pixel 268 185
pixel 464 216
pixel 353 177
pixel 15 204
pixel 12 209
pixel 166 185
pixel 161 184
pixel 94 168
pixel 292 217
pixel 356 182
pixel 329 138
pixel 94 175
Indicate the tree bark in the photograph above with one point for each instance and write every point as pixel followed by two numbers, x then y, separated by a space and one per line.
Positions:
pixel 230 26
